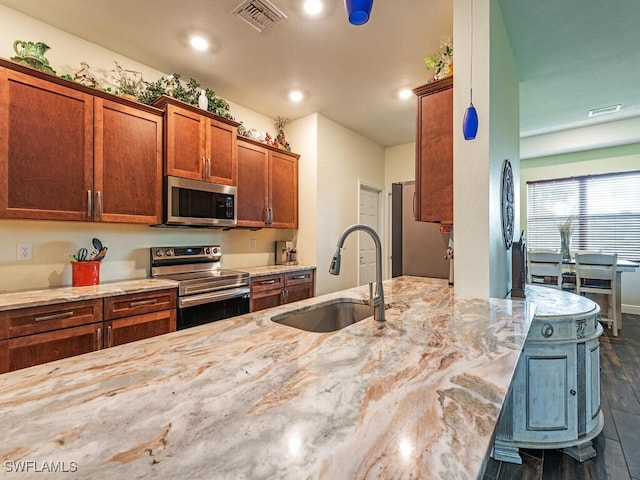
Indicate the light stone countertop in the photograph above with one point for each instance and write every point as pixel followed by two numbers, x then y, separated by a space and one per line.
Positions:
pixel 417 397
pixel 51 296
pixel 273 269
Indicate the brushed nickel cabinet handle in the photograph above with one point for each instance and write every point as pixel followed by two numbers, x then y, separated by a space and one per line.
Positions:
pixel 55 316
pixel 268 282
pixel 109 336
pixel 300 277
pixel 208 167
pixel 89 203
pixel 143 302
pixel 204 168
pixel 99 336
pixel 99 209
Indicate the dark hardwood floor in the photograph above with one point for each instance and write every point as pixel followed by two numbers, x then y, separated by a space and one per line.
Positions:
pixel 618 445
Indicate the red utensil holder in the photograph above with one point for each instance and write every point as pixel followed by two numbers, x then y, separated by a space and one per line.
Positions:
pixel 84 274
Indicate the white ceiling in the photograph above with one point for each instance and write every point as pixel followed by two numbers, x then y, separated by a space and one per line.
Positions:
pixel 572 55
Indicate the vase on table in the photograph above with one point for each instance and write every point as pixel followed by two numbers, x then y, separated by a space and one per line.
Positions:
pixel 565 245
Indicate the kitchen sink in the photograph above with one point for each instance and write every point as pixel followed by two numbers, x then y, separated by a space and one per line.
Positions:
pixel 326 317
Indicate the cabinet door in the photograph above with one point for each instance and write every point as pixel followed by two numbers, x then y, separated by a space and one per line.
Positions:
pixel 299 292
pixel 266 299
pixel 283 191
pixel 253 175
pixel 185 143
pixel 139 327
pixel 222 153
pixel 30 350
pixel 434 153
pixel 128 164
pixel 545 389
pixel 46 149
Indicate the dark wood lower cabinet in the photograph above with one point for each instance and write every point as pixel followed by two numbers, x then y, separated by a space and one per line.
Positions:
pixel 139 327
pixel 30 350
pixel 274 290
pixel 35 335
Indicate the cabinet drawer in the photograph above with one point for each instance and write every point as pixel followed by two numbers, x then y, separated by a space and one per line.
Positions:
pixel 267 282
pixel 296 278
pixel 139 303
pixel 23 352
pixel 27 321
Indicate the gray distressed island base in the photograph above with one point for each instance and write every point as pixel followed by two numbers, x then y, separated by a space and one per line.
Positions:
pixel 554 400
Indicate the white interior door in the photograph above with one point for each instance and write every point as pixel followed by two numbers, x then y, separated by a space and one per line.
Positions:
pixel 370 216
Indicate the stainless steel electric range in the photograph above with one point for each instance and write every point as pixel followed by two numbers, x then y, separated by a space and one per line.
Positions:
pixel 206 291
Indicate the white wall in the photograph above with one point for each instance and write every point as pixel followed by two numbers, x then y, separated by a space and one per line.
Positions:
pixel 344 159
pixel 591 162
pixel 504 144
pixel 304 134
pixel 399 164
pixel 480 258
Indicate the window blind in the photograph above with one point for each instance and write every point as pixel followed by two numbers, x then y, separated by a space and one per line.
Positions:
pixel 604 211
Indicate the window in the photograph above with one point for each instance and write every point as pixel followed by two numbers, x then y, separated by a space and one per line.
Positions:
pixel 605 210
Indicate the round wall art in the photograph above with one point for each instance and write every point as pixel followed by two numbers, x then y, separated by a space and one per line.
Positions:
pixel 507 204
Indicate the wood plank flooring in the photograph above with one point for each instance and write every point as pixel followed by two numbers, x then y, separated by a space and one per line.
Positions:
pixel 618 445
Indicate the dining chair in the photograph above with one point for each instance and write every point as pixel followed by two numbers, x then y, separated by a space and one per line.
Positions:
pixel 596 273
pixel 544 268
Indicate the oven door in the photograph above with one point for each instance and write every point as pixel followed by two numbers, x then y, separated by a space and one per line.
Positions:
pixel 196 310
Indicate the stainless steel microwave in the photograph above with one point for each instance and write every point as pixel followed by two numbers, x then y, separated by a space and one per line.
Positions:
pixel 199 204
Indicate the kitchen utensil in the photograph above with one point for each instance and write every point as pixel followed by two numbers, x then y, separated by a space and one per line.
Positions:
pixel 97 244
pixel 82 254
pixel 101 254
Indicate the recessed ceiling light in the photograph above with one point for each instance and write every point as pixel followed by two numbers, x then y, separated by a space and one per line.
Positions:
pixel 296 95
pixel 405 94
pixel 313 7
pixel 604 110
pixel 199 43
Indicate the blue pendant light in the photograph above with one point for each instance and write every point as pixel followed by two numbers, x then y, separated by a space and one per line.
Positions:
pixel 358 11
pixel 470 120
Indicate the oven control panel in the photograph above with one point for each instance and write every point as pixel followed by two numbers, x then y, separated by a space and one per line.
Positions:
pixel 210 253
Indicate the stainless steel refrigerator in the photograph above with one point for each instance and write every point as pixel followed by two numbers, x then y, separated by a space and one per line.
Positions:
pixel 417 248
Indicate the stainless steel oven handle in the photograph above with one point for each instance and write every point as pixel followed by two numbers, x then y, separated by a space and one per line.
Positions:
pixel 206 287
pixel 212 297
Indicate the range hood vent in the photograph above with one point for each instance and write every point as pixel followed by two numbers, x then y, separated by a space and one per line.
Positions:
pixel 260 14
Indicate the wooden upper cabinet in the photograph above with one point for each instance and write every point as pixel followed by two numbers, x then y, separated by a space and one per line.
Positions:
pixel 127 164
pixel 199 145
pixel 434 152
pixel 267 186
pixel 68 152
pixel 253 178
pixel 283 189
pixel 46 149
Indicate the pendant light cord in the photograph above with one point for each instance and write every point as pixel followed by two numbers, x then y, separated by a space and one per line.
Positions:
pixel 471 63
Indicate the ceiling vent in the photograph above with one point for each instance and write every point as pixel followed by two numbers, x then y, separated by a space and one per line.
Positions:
pixel 260 14
pixel 604 110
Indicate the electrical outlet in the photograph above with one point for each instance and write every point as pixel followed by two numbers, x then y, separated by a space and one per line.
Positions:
pixel 24 252
pixel 253 244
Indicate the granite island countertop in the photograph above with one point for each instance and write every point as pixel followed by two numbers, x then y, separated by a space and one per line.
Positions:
pixel 415 397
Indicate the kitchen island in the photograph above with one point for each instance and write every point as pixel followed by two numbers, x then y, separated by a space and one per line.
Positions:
pixel 416 397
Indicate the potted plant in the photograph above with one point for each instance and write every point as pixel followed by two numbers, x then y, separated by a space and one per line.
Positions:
pixel 442 61
pixel 128 82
